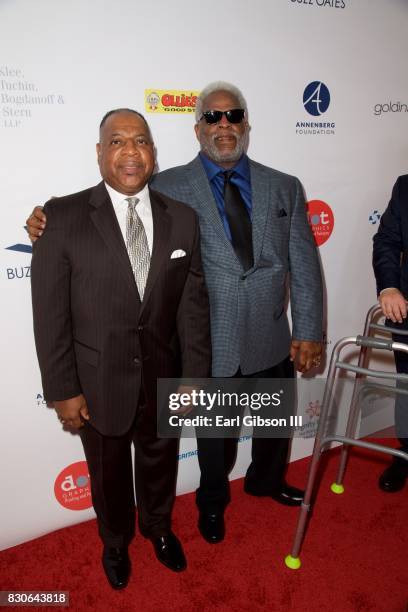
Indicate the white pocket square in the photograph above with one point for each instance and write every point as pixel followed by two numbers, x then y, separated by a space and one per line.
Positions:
pixel 177 254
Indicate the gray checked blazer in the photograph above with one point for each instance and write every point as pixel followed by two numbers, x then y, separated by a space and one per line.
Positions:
pixel 249 325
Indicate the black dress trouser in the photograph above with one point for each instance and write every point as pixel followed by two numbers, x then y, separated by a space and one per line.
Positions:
pixel 109 461
pixel 216 458
pixel 401 402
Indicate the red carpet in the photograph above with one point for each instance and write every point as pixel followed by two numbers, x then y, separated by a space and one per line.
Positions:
pixel 355 555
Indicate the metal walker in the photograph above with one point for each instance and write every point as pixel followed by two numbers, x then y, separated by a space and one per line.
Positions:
pixel 366 341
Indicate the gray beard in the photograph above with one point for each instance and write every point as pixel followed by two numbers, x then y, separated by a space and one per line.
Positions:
pixel 230 156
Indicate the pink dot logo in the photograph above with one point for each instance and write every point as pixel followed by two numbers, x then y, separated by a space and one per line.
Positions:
pixel 321 220
pixel 72 487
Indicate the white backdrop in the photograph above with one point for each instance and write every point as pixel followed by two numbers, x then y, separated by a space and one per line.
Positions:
pixel 64 64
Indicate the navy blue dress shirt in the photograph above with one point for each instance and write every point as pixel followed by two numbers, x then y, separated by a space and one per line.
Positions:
pixel 241 178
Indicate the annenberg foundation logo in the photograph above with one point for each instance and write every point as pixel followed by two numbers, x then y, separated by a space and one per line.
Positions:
pixel 72 487
pixel 40 400
pixel 321 220
pixel 170 101
pixel 316 98
pixel 316 101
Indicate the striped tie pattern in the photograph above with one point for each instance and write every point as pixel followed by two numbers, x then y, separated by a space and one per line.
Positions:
pixel 137 245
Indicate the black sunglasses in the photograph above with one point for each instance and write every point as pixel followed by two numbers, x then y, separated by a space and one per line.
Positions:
pixel 235 115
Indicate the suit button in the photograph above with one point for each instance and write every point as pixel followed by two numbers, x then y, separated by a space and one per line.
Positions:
pixel 243 277
pixel 136 361
pixel 140 328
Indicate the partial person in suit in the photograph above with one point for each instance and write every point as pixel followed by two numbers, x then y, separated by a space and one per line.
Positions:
pixel 113 311
pixel 390 262
pixel 254 235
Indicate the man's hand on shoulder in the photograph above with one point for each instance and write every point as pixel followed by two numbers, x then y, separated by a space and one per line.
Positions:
pixel 393 304
pixel 36 223
pixel 72 412
pixel 306 354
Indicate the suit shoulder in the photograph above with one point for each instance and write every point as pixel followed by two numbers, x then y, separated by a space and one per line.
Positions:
pixel 399 196
pixel 274 174
pixel 170 174
pixel 402 181
pixel 169 181
pixel 174 206
pixel 69 202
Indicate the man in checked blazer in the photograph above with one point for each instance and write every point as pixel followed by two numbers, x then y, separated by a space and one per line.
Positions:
pixel 249 327
pixel 101 347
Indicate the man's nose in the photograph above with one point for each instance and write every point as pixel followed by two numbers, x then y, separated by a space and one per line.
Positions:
pixel 223 122
pixel 131 148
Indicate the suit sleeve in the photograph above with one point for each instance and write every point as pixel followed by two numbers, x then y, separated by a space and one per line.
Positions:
pixel 306 292
pixel 50 289
pixel 388 244
pixel 193 318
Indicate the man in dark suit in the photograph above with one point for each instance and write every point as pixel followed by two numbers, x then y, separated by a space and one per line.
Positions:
pixel 119 300
pixel 254 235
pixel 390 262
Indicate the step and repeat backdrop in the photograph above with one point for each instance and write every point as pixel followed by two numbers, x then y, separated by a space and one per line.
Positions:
pixel 328 102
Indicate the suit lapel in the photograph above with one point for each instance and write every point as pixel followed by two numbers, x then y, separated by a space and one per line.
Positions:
pixel 105 221
pixel 161 235
pixel 207 209
pixel 261 202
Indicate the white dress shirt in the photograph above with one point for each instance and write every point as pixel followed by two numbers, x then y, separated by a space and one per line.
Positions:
pixel 143 208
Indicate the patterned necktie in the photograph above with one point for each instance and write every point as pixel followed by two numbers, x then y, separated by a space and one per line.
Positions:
pixel 239 222
pixel 137 246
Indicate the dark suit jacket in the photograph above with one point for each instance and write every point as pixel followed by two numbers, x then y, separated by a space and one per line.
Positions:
pixel 93 335
pixel 390 254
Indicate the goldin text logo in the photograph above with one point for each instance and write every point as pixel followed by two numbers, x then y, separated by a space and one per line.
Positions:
pixel 72 487
pixel 390 107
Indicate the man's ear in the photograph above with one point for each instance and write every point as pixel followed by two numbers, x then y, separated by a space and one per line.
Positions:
pixel 98 150
pixel 196 129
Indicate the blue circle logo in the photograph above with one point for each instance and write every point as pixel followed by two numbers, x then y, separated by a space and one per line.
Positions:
pixel 316 98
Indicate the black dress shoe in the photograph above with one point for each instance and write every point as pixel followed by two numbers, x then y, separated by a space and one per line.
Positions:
pixel 169 551
pixel 394 477
pixel 212 527
pixel 116 564
pixel 286 495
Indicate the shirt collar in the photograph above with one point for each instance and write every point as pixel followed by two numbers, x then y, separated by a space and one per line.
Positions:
pixel 212 169
pixel 118 198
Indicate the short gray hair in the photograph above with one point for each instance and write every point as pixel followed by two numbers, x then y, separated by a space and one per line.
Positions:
pixel 218 86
